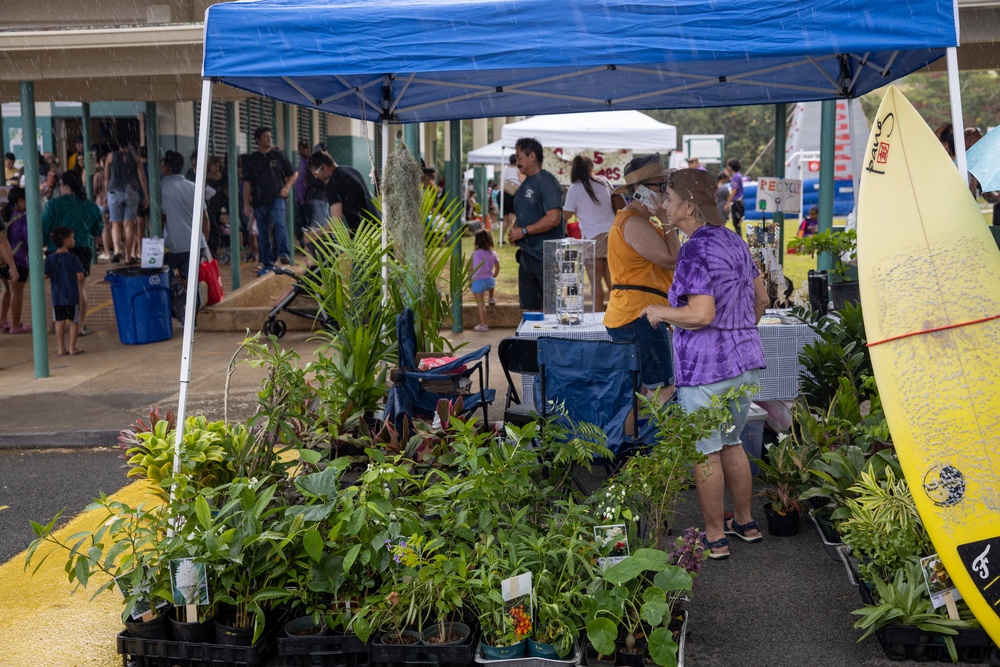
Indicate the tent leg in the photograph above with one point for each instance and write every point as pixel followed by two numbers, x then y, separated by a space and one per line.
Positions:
pixel 828 119
pixel 957 122
pixel 385 229
pixel 193 263
pixel 780 133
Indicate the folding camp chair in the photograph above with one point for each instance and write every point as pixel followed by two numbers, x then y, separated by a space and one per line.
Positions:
pixel 415 393
pixel 518 355
pixel 598 382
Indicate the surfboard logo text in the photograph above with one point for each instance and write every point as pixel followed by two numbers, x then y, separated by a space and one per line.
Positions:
pixel 880 149
pixel 982 564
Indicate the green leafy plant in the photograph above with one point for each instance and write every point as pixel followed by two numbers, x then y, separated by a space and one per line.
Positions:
pixel 840 352
pixel 628 600
pixel 786 471
pixel 882 525
pixel 904 601
pixel 498 558
pixel 836 244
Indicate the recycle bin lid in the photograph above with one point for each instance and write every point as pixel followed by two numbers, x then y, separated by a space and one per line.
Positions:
pixel 136 272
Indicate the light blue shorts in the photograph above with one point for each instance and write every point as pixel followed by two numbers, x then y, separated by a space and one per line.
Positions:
pixel 123 205
pixel 692 398
pixel 483 285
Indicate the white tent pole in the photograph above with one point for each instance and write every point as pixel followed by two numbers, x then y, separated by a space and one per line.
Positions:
pixel 385 229
pixel 193 263
pixel 855 162
pixel 957 124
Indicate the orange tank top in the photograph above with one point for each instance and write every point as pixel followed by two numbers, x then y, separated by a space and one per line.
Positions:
pixel 628 267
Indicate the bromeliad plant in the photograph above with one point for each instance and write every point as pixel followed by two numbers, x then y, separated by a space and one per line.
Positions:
pixel 786 471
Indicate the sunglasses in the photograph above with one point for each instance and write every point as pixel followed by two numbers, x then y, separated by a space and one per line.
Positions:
pixel 662 187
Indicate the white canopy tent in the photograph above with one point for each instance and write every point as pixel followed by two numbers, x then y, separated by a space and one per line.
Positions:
pixel 490 154
pixel 603 130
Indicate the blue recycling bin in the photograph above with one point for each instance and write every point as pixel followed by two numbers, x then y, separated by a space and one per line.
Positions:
pixel 142 304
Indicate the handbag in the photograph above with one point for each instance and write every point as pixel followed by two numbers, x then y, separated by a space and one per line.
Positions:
pixel 510 188
pixel 208 273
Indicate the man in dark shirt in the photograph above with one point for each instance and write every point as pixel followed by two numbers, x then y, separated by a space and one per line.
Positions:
pixel 346 190
pixel 268 177
pixel 538 211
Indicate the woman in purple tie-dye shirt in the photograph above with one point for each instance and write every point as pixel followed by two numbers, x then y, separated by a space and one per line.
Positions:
pixel 716 299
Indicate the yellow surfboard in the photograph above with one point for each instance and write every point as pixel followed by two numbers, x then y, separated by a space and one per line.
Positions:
pixel 930 290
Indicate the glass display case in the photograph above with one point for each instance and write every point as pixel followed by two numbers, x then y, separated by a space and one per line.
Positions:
pixel 568 291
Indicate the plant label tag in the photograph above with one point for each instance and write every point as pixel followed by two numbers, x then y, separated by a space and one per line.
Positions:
pixel 612 542
pixel 141 609
pixel 190 582
pixel 519 601
pixel 939 584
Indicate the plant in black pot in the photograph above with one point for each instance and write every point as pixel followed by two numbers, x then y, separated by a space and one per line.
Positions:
pixel 636 603
pixel 842 247
pixel 787 473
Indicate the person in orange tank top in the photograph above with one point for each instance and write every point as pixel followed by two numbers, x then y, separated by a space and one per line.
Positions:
pixel 641 256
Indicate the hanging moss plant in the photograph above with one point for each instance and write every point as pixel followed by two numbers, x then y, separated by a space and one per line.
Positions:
pixel 401 208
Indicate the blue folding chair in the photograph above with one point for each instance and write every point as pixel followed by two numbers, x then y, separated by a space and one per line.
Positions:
pixel 409 397
pixel 597 382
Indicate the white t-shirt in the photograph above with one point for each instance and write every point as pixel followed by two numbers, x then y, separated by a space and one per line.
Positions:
pixel 594 218
pixel 512 174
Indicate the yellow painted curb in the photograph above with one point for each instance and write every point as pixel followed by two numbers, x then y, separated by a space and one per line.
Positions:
pixel 42 623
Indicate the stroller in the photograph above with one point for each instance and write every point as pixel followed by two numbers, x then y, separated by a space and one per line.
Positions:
pixel 278 327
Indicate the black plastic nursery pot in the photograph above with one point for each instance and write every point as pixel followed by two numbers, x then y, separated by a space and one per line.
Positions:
pixel 199 633
pixel 446 655
pixel 844 293
pixel 781 525
pixel 331 650
pixel 232 635
pixel 157 628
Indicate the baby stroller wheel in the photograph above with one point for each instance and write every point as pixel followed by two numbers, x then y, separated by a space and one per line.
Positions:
pixel 275 327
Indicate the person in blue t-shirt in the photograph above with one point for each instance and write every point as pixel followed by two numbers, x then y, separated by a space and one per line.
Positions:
pixel 65 271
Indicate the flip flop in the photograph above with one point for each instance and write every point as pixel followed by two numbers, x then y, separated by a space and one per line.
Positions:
pixel 77 352
pixel 5 326
pixel 24 328
pixel 84 331
pixel 61 354
pixel 741 530
pixel 718 544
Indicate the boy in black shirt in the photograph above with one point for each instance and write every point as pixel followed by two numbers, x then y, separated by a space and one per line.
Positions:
pixel 346 190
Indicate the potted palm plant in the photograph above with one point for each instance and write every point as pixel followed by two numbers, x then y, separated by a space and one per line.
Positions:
pixel 842 247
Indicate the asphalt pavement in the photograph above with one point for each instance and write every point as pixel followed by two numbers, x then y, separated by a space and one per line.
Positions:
pixel 780 603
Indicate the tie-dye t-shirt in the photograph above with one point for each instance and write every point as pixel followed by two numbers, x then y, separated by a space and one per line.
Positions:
pixel 717 262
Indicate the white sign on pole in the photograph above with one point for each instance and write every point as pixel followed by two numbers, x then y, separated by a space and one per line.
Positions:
pixel 778 195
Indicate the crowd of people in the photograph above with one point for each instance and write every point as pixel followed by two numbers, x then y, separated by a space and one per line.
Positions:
pixel 111 228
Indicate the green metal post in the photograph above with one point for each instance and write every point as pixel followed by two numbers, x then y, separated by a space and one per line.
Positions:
pixel 828 120
pixel 232 123
pixel 411 134
pixel 36 267
pixel 153 153
pixel 479 179
pixel 454 187
pixel 779 172
pixel 88 160
pixel 249 128
pixel 292 157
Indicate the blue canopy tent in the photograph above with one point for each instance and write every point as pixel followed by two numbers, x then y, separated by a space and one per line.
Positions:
pixel 406 62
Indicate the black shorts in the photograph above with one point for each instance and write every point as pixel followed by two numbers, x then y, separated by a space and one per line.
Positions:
pixel 529 281
pixel 66 313
pixel 738 211
pixel 85 255
pixel 22 273
pixel 508 203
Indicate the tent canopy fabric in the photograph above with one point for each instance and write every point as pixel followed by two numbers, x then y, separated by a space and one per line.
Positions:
pixel 491 153
pixel 430 60
pixel 604 130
